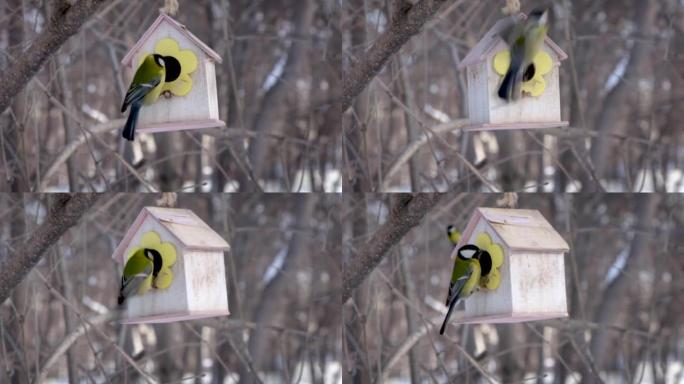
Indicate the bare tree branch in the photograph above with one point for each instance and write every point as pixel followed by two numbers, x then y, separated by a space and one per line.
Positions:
pixel 407 212
pixel 70 339
pixel 66 21
pixel 406 23
pixel 66 211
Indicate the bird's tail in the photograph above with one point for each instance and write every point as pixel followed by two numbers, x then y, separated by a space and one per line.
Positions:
pixel 129 128
pixel 448 315
pixel 510 86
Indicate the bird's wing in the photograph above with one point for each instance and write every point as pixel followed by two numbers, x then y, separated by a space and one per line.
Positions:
pixel 136 92
pixel 131 284
pixel 455 289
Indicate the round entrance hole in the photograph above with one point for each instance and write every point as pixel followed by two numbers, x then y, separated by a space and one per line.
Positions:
pixel 527 76
pixel 173 68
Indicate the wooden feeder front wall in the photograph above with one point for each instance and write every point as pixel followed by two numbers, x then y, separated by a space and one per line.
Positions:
pixel 532 274
pixel 486 111
pixel 195 110
pixel 198 289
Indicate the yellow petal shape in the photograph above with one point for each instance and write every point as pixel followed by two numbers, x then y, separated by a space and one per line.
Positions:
pixel 535 87
pixel 502 61
pixel 187 60
pixel 166 47
pixel 168 254
pixel 179 87
pixel 492 280
pixel 542 63
pixel 496 252
pixel 150 240
pixel 164 279
pixel 483 240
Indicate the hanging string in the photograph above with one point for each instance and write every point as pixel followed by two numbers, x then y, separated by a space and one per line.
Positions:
pixel 512 7
pixel 168 200
pixel 170 7
pixel 508 200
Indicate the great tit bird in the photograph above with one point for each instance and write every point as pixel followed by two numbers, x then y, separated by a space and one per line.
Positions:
pixel 138 268
pixel 454 235
pixel 145 88
pixel 525 39
pixel 464 278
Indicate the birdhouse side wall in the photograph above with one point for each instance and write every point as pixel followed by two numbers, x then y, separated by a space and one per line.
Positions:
pixel 478 103
pixel 543 108
pixel 211 89
pixel 499 301
pixel 193 106
pixel 538 283
pixel 206 281
pixel 158 301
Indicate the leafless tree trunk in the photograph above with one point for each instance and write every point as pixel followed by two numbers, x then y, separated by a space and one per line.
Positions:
pixel 357 367
pixel 615 294
pixel 65 286
pixel 266 117
pixel 267 308
pixel 408 289
pixel 614 109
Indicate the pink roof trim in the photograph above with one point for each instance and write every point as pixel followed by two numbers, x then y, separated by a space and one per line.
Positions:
pixel 118 254
pixel 127 60
pixel 484 213
pixel 491 38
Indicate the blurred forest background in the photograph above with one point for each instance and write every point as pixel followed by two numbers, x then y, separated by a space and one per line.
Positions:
pixel 622 90
pixel 280 67
pixel 282 275
pixel 625 285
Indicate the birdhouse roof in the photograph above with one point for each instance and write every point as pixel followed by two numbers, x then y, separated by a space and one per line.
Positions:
pixel 186 227
pixel 520 229
pixel 164 18
pixel 485 46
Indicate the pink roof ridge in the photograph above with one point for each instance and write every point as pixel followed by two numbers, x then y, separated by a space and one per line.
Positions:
pixel 483 47
pixel 173 220
pixel 510 223
pixel 127 60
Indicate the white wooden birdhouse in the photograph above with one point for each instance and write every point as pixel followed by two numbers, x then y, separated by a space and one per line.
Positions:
pixel 192 280
pixel 526 279
pixel 487 63
pixel 188 99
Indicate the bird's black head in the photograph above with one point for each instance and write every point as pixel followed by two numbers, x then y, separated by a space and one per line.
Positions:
pixel 450 228
pixel 159 59
pixel 541 15
pixel 468 251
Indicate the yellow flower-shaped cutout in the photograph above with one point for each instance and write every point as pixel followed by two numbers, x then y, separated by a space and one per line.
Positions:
pixel 179 63
pixel 542 65
pixel 168 253
pixel 492 278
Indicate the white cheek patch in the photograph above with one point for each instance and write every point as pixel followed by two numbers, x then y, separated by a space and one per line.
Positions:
pixel 543 18
pixel 467 253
